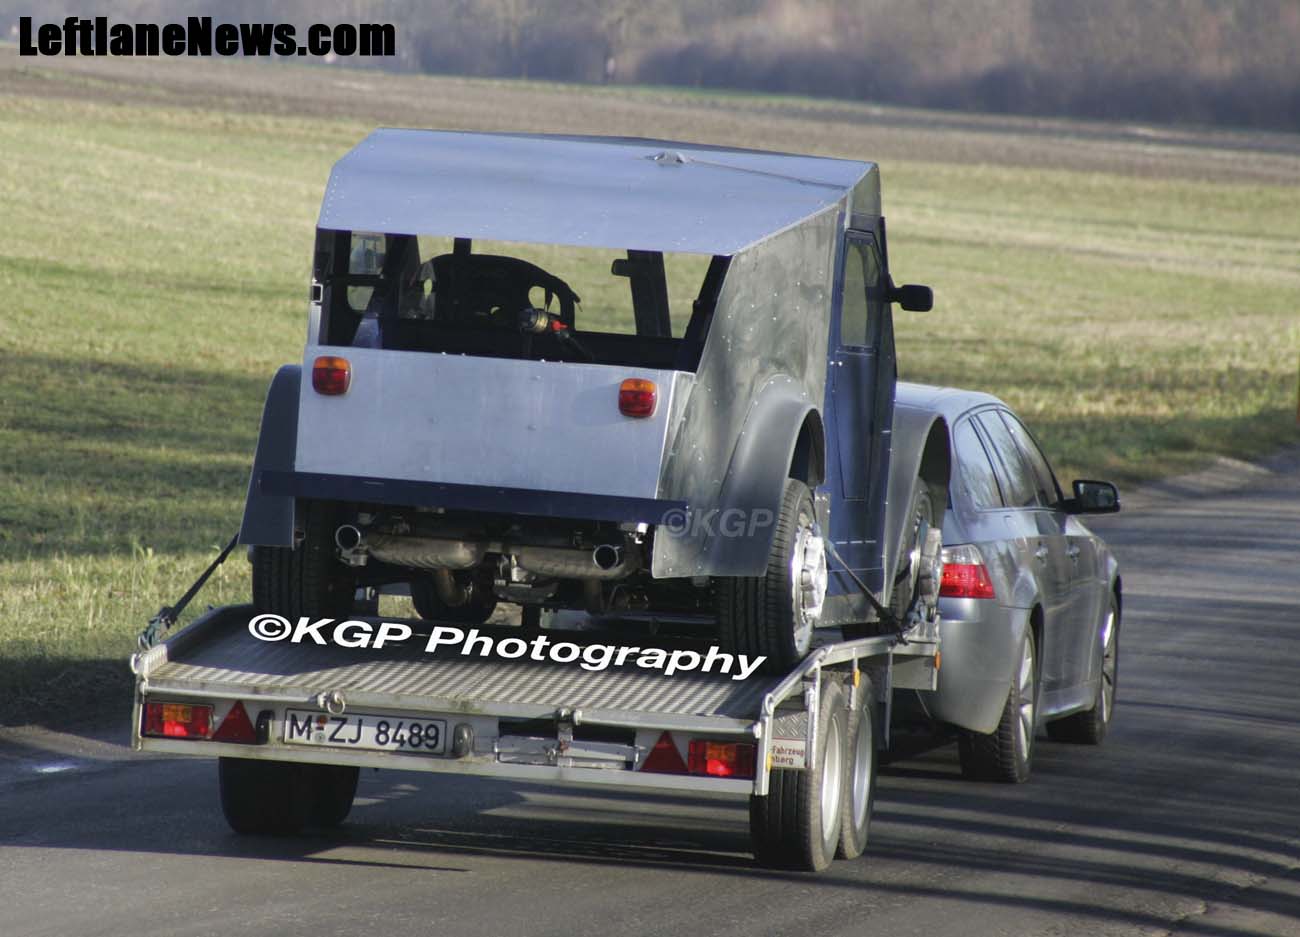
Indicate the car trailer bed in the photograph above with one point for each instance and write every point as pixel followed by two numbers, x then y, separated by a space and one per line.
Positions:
pixel 547 722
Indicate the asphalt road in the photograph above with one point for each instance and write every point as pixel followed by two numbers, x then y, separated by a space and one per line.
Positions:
pixel 1187 821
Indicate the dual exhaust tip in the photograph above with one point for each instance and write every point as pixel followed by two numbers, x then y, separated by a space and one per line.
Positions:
pixel 605 557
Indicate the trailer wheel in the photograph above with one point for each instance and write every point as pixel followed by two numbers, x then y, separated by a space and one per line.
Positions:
pixel 333 788
pixel 860 775
pixel 307 579
pixel 1089 727
pixel 1006 754
pixel 477 608
pixel 774 615
pixel 797 824
pixel 264 797
pixel 281 797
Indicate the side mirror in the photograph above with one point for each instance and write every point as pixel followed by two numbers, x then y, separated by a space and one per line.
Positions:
pixel 912 297
pixel 1093 497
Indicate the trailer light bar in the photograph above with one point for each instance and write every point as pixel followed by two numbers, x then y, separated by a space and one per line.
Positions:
pixel 964 574
pixel 637 397
pixel 722 759
pixel 331 375
pixel 177 720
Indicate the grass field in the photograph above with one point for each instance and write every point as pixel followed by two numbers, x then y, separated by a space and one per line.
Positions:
pixel 1134 293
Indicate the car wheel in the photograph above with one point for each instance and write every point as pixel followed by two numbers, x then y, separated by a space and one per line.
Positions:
pixel 306 579
pixel 1006 754
pixel 908 577
pixel 796 825
pixel 478 605
pixel 1090 727
pixel 774 615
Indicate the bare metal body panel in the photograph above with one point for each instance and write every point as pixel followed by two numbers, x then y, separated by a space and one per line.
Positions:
pixel 583 192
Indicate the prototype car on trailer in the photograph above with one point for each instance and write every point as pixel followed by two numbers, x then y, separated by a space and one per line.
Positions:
pixel 624 376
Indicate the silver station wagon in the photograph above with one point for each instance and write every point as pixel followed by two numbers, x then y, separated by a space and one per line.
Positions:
pixel 1030 598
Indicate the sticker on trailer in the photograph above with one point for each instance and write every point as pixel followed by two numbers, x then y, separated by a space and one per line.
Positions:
pixel 789 753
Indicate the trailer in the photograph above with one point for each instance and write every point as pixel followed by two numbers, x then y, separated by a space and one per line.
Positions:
pixel 708 439
pixel 291 723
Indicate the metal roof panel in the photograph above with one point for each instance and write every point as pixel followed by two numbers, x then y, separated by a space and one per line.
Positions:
pixel 601 192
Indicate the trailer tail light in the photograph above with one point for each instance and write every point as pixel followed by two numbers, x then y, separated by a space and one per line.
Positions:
pixel 177 720
pixel 637 397
pixel 964 574
pixel 331 375
pixel 664 757
pixel 722 759
pixel 236 727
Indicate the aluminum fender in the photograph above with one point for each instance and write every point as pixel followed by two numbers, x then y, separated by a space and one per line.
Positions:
pixel 268 519
pixel 919 441
pixel 737 540
pixel 980 650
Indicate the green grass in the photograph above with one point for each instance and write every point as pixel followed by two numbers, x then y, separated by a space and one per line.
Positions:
pixel 154 267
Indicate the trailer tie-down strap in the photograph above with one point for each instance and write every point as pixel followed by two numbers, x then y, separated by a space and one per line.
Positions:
pixel 887 616
pixel 168 614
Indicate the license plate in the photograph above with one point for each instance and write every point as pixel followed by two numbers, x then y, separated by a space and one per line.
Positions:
pixel 367 731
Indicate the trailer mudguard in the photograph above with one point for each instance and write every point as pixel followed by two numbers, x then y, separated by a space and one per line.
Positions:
pixel 738 533
pixel 919 455
pixel 269 519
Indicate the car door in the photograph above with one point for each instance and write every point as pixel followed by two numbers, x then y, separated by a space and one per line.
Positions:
pixel 861 406
pixel 1083 614
pixel 1044 552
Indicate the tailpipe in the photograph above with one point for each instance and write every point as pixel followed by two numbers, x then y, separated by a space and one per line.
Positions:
pixel 348 538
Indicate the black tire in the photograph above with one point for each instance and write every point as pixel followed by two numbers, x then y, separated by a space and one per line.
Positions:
pixel 859 797
pixel 279 798
pixel 307 579
pixel 263 797
pixel 757 614
pixel 477 608
pixel 789 827
pixel 906 578
pixel 1007 753
pixel 334 787
pixel 1090 726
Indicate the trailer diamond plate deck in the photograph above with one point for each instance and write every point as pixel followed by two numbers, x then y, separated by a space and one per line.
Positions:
pixel 217 656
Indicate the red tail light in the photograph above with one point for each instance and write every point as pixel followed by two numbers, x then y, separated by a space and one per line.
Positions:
pixel 331 375
pixel 722 759
pixel 964 574
pixel 637 397
pixel 177 720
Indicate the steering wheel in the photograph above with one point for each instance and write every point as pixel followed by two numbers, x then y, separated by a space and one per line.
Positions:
pixel 492 290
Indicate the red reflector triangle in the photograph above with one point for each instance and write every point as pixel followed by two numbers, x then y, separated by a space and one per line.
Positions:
pixel 664 757
pixel 236 727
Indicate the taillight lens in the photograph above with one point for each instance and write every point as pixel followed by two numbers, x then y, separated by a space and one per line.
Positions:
pixel 331 375
pixel 964 574
pixel 721 759
pixel 177 720
pixel 637 397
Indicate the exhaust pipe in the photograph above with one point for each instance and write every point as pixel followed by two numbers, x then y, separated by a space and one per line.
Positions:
pixel 606 561
pixel 348 538
pixel 607 556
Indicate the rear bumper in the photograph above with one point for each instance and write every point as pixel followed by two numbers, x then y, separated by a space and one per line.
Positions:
pixel 981 645
pixel 491 499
